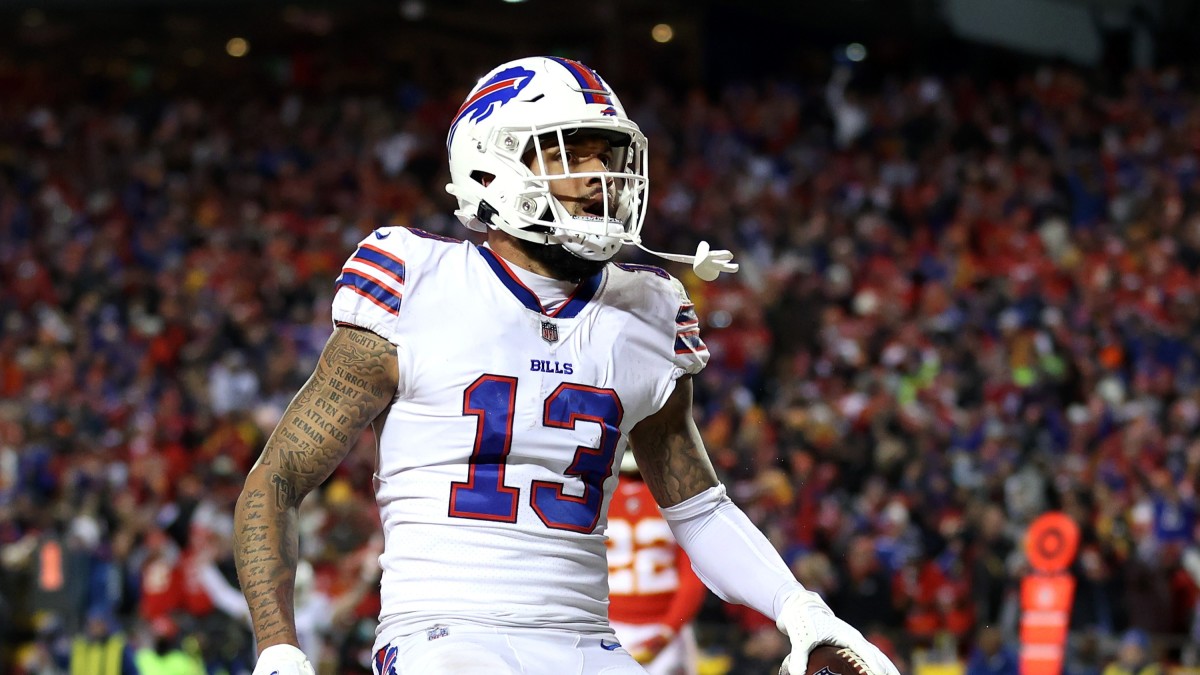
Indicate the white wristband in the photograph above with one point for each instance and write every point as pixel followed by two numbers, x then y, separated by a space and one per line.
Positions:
pixel 730 555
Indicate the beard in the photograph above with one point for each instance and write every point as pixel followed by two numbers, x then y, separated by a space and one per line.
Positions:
pixel 561 263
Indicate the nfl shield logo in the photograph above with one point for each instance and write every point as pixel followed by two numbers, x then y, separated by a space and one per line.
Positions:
pixel 550 331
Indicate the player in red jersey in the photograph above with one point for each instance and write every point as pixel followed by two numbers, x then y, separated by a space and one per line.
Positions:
pixel 653 593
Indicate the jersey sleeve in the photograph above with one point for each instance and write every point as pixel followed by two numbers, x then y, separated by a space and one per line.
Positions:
pixel 690 353
pixel 370 289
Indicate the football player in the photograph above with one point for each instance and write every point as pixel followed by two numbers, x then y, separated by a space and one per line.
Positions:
pixel 653 594
pixel 504 383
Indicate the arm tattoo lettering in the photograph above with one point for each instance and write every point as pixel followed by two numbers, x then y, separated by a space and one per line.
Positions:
pixel 353 383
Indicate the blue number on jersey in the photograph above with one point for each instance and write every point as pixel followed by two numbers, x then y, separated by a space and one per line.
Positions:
pixel 484 496
pixel 567 406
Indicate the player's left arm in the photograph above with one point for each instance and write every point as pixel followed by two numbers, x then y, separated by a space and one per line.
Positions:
pixel 728 552
pixel 670 453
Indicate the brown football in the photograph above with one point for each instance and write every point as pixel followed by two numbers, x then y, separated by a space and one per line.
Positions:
pixel 830 660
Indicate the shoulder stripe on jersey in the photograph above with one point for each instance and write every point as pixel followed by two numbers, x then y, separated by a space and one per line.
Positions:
pixel 687 316
pixel 583 294
pixel 371 289
pixel 377 273
pixel 381 260
pixel 686 343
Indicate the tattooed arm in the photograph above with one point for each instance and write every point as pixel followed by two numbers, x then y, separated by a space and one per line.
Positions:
pixel 354 381
pixel 730 555
pixel 728 552
pixel 669 451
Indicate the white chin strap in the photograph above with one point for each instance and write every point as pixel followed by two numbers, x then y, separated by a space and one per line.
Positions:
pixel 707 264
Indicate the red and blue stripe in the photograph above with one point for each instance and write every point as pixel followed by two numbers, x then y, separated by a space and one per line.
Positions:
pixel 376 275
pixel 687 331
pixel 371 289
pixel 593 88
pixel 689 342
pixel 686 318
pixel 379 259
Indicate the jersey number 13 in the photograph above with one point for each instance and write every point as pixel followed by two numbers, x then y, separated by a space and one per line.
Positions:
pixel 484 496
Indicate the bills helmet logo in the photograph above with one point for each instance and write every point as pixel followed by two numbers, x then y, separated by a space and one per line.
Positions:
pixel 502 88
pixel 385 660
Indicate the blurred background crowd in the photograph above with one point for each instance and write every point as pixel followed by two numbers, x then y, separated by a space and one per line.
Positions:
pixel 969 295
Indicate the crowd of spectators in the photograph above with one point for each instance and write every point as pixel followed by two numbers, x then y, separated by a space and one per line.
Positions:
pixel 963 302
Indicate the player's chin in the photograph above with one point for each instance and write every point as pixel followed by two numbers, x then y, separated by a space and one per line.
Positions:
pixel 561 263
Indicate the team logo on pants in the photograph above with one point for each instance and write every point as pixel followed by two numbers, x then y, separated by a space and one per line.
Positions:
pixel 385 661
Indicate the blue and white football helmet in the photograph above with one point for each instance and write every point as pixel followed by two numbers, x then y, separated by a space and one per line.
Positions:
pixel 523 105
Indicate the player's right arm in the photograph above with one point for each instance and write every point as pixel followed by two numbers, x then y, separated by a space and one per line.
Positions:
pixel 727 550
pixel 354 381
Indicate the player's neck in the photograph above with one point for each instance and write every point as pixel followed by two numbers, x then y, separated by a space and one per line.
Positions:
pixel 506 247
pixel 546 260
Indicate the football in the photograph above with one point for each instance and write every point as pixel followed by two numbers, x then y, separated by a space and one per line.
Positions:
pixel 830 660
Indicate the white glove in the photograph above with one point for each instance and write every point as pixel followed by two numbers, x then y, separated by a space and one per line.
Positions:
pixel 283 660
pixel 809 622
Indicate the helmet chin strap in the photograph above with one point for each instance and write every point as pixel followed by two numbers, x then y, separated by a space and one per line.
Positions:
pixel 707 263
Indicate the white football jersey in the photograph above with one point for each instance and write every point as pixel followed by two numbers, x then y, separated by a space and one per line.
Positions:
pixel 496 459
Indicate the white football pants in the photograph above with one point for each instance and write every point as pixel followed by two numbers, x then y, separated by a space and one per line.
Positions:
pixel 478 650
